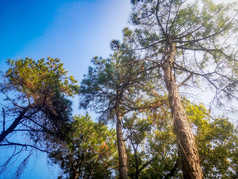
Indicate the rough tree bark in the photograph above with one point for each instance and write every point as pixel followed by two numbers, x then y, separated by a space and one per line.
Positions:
pixel 123 170
pixel 188 153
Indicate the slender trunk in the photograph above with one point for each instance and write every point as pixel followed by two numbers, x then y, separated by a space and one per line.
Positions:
pixel 123 171
pixel 137 168
pixel 136 162
pixel 188 152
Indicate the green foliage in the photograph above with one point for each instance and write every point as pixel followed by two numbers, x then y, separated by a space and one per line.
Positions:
pixel 36 94
pixel 152 146
pixel 217 142
pixel 89 151
pixel 152 151
pixel 115 79
pixel 41 84
pixel 35 78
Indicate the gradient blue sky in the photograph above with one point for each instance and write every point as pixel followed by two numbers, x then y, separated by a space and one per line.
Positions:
pixel 71 30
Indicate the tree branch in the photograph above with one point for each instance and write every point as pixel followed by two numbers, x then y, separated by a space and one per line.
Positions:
pixel 13 125
pixel 184 81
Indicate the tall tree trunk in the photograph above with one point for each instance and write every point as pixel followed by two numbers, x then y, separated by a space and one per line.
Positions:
pixel 123 170
pixel 188 152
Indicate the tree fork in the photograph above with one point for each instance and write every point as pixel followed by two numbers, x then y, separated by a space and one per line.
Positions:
pixel 189 156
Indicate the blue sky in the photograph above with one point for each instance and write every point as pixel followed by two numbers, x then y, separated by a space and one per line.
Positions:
pixel 71 30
